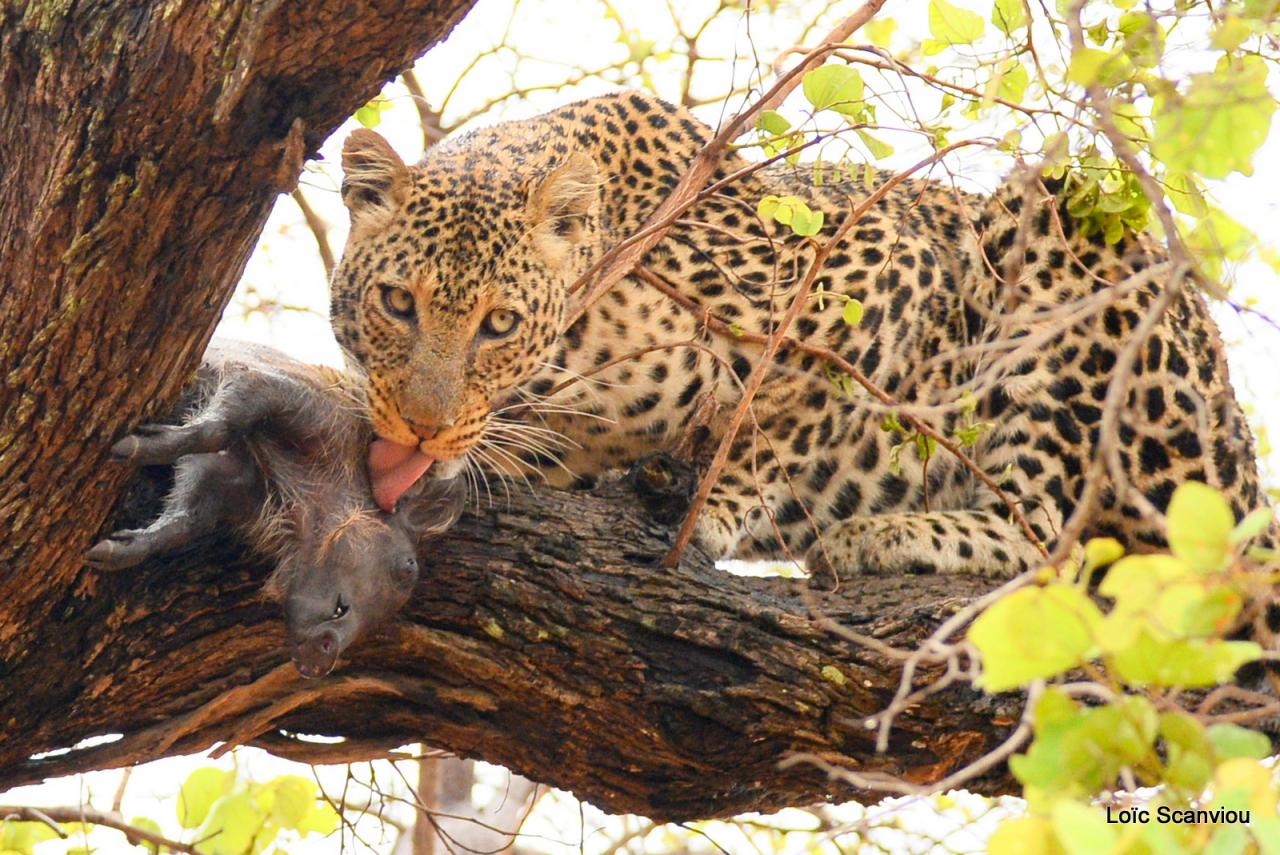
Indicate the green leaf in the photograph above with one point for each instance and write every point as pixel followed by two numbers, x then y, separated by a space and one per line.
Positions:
pixel 370 115
pixel 852 312
pixel 1143 38
pixel 202 788
pixel 322 819
pixel 1189 752
pixel 1217 126
pixel 877 148
pixel 1226 840
pixel 1151 592
pixel 146 823
pixel 1188 663
pixel 807 223
pixel 294 798
pixel 768 206
pixel 1087 65
pixel 952 25
pixel 1012 82
pixel 834 87
pixel 1101 551
pixel 21 837
pixel 234 821
pixel 1266 831
pixel 879 31
pixel 773 122
pixel 1023 835
pixel 1009 15
pixel 1186 194
pixel 1251 526
pixel 1033 633
pixel 1083 829
pixel 1200 525
pixel 1231 33
pixel 1231 741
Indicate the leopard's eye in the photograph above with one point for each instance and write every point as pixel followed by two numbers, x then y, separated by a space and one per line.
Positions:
pixel 398 302
pixel 500 323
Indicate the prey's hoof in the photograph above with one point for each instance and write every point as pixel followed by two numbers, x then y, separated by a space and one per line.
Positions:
pixel 145 445
pixel 117 551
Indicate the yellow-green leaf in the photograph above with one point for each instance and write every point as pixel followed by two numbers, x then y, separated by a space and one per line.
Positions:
pixel 1024 835
pixel 1011 83
pixel 950 24
pixel 1251 526
pixel 202 788
pixel 877 148
pixel 146 823
pixel 1100 551
pixel 1200 525
pixel 1231 740
pixel 322 819
pixel 370 115
pixel 1188 664
pixel 21 837
pixel 773 122
pixel 1083 829
pixel 1231 33
pixel 1009 15
pixel 834 87
pixel 1086 66
pixel 294 798
pixel 852 312
pixel 879 31
pixel 233 823
pixel 1033 633
pixel 1215 128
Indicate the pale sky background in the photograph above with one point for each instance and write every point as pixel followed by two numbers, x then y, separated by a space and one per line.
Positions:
pixel 286 271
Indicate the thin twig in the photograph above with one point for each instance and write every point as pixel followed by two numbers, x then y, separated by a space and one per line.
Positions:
pixel 51 816
pixel 619 261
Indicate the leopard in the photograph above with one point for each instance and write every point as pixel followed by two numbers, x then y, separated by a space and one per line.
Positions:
pixel 994 321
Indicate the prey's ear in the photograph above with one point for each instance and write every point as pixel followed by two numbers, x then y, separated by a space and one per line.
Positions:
pixel 375 180
pixel 561 201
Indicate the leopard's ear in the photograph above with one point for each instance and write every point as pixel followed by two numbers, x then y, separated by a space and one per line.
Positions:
pixel 375 180
pixel 562 200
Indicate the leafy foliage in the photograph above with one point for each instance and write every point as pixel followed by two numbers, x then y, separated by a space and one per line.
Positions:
pixel 1164 630
pixel 224 813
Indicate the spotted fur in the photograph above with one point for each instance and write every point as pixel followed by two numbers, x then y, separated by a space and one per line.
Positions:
pixel 1000 297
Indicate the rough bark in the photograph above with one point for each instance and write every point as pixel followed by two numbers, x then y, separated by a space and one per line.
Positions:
pixel 142 144
pixel 544 636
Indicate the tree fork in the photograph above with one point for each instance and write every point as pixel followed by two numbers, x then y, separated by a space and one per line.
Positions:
pixel 142 145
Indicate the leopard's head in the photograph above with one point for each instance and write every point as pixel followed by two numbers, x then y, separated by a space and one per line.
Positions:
pixel 453 286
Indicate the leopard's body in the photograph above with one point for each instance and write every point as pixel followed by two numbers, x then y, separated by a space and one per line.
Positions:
pixel 493 227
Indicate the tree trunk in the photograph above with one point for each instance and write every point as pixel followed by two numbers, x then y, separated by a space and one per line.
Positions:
pixel 142 144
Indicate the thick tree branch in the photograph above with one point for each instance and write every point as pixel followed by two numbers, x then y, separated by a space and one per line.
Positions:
pixel 544 636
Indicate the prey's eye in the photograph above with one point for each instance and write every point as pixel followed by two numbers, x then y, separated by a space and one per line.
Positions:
pixel 339 610
pixel 398 302
pixel 499 323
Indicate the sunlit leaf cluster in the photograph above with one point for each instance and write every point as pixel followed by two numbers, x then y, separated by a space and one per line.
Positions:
pixel 1163 632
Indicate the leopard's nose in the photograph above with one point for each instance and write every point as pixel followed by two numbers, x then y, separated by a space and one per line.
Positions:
pixel 429 429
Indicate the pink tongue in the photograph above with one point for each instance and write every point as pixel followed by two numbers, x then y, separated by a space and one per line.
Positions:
pixel 393 469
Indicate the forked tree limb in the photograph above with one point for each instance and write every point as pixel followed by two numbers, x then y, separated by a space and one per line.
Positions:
pixel 142 145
